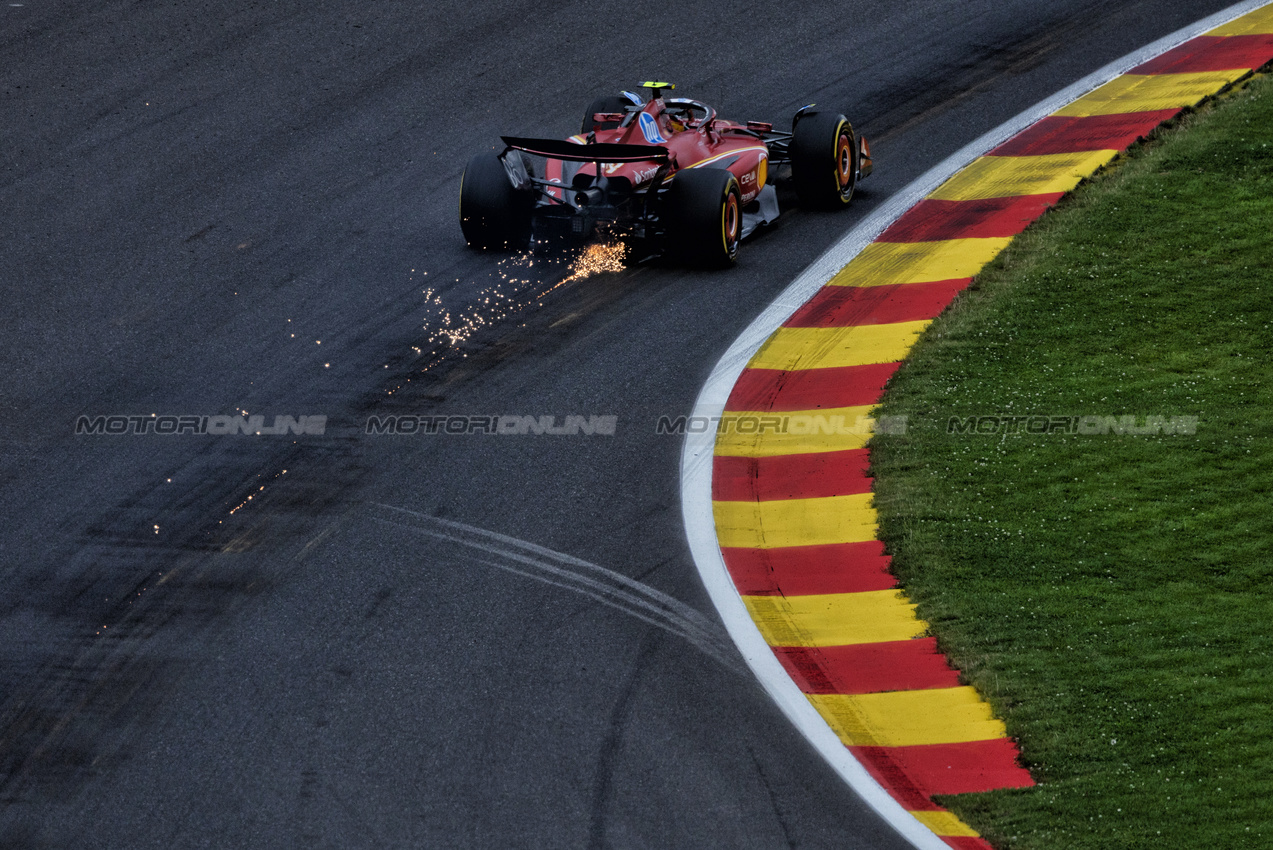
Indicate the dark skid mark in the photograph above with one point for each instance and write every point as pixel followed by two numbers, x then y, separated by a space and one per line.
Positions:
pixel 897 110
pixel 612 745
pixel 120 602
pixel 567 572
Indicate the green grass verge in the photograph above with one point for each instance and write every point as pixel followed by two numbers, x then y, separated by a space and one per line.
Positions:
pixel 1111 594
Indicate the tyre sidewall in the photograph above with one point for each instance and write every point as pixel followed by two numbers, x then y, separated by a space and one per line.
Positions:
pixel 824 161
pixel 704 215
pixel 493 214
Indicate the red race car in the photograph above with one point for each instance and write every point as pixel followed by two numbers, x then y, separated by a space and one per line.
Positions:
pixel 662 175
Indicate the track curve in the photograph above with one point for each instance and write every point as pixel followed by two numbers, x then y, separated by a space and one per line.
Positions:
pixel 813 583
pixel 250 210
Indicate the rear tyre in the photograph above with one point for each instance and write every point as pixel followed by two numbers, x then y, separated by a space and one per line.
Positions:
pixel 609 103
pixel 824 161
pixel 704 217
pixel 493 214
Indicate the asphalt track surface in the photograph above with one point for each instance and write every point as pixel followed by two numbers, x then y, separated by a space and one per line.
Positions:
pixel 463 640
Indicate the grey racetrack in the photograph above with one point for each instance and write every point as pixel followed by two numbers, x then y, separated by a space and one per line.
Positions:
pixel 350 639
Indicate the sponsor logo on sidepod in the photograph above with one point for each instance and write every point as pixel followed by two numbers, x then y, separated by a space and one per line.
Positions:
pixel 650 129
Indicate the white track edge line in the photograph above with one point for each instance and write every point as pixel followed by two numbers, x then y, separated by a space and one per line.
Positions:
pixel 696 455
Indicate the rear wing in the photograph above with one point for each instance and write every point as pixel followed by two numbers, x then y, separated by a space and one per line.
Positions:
pixel 596 152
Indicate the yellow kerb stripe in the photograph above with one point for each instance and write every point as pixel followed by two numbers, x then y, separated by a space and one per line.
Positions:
pixel 885 263
pixel 1149 92
pixel 945 823
pixel 909 718
pixel 1011 176
pixel 823 348
pixel 835 619
pixel 795 432
pixel 1256 23
pixel 795 522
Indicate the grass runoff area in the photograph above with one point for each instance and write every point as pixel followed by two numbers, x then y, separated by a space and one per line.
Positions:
pixel 1108 583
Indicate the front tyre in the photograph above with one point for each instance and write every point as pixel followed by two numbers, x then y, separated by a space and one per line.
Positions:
pixel 494 215
pixel 824 161
pixel 704 217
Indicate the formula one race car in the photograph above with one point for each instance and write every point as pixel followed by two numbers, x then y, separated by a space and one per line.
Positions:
pixel 663 175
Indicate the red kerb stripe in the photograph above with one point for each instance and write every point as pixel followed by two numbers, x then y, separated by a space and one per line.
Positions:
pixel 967 842
pixel 803 476
pixel 869 668
pixel 1066 134
pixel 1212 53
pixel 776 390
pixel 844 306
pixel 804 570
pixel 932 220
pixel 947 768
